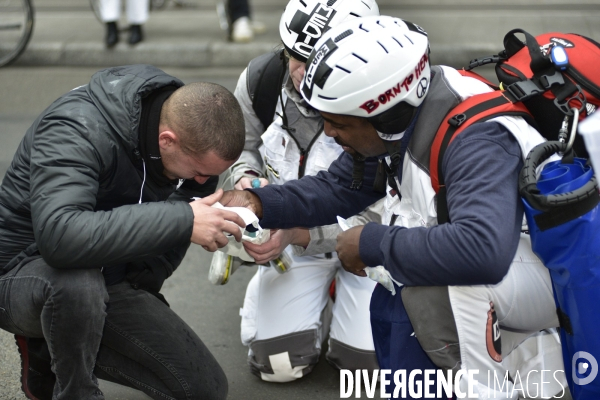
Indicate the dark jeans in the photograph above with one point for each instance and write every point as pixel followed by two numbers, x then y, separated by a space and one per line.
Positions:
pixel 238 9
pixel 115 333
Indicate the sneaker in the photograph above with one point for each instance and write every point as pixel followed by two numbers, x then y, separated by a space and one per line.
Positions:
pixel 222 267
pixel 38 383
pixel 241 31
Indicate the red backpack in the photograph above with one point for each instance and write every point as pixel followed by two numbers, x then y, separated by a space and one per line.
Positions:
pixel 551 74
pixel 536 82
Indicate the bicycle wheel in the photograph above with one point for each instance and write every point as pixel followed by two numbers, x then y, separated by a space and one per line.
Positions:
pixel 16 27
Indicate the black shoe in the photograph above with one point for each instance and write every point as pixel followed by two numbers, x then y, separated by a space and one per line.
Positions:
pixel 37 379
pixel 135 34
pixel 112 34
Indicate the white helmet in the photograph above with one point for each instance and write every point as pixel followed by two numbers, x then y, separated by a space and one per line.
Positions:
pixel 365 67
pixel 304 21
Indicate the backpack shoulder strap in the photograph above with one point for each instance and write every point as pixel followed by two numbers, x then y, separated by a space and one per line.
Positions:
pixel 477 108
pixel 265 77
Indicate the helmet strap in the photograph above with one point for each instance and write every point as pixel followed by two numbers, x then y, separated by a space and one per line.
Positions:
pixel 358 171
pixel 391 124
pixel 396 150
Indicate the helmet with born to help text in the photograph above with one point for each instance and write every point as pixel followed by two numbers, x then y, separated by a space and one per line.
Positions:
pixel 374 67
pixel 304 21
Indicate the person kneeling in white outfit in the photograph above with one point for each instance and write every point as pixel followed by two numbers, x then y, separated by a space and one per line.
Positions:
pixel 284 317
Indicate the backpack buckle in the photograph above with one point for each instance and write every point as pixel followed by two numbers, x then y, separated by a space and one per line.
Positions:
pixel 548 80
pixel 522 90
pixel 478 62
pixel 565 105
pixel 457 120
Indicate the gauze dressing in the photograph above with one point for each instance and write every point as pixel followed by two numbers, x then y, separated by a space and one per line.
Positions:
pixel 379 274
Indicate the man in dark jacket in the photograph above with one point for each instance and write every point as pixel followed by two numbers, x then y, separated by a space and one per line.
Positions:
pixel 95 214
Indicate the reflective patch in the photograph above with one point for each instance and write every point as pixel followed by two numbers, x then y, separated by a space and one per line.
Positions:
pixel 310 28
pixel 317 70
pixel 492 335
pixel 282 369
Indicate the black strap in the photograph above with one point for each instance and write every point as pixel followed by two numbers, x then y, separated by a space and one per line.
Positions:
pixel 443 215
pixel 267 87
pixel 358 171
pixel 560 215
pixel 564 321
pixel 380 178
pixel 396 151
pixel 512 45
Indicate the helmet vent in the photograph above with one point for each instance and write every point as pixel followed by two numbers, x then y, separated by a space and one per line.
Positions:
pixel 343 35
pixel 327 98
pixel 397 41
pixel 303 3
pixel 368 6
pixel 382 46
pixel 360 58
pixel 411 42
pixel 364 29
pixel 331 2
pixel 354 14
pixel 343 69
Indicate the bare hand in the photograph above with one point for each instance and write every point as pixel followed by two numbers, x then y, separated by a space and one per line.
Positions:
pixel 210 223
pixel 246 183
pixel 243 198
pixel 347 249
pixel 270 250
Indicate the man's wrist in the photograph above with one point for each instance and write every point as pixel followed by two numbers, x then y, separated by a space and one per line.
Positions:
pixel 301 237
pixel 255 204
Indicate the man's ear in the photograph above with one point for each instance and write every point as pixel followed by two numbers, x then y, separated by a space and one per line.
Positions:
pixel 167 138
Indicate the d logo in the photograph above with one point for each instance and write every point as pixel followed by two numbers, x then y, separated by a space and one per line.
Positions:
pixel 581 363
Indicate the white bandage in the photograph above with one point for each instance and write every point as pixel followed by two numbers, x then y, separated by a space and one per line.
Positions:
pixel 235 248
pixel 379 274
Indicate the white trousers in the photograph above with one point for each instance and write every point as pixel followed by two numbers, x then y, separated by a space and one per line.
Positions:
pixel 526 322
pixel 137 11
pixel 281 304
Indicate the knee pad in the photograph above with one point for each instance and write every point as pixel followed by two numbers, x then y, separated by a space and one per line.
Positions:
pixel 343 356
pixel 431 316
pixel 284 358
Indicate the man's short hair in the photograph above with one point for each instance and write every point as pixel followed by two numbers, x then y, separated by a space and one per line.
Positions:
pixel 206 117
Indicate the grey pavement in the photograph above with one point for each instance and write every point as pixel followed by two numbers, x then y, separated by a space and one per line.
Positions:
pixel 187 33
pixel 67 47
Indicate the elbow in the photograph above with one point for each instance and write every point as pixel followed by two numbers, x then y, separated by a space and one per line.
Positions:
pixel 54 258
pixel 497 273
pixel 496 268
pixel 55 254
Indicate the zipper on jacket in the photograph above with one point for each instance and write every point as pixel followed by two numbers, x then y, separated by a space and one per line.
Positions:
pixel 304 153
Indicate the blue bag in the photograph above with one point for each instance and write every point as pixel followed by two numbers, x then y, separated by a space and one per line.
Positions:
pixel 564 223
pixel 396 346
